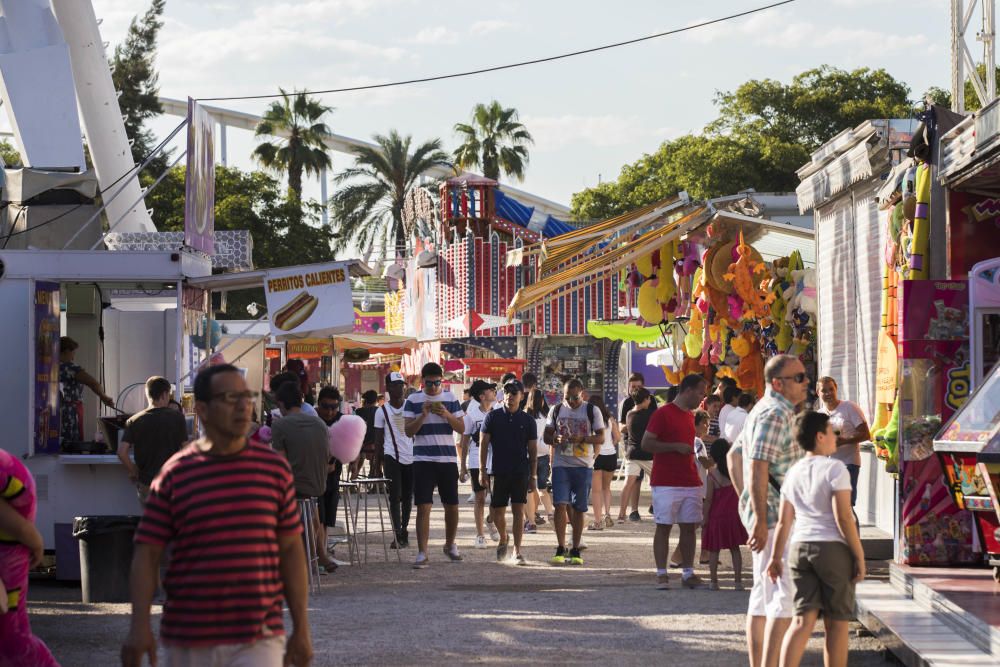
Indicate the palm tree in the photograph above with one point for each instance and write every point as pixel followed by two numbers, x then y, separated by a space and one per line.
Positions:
pixel 368 209
pixel 494 142
pixel 302 146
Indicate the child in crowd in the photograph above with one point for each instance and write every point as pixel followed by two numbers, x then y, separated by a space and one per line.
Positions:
pixel 723 527
pixel 826 557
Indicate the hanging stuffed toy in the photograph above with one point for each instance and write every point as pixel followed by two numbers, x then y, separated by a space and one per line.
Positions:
pixel 693 340
pixel 921 224
pixel 750 372
pixel 649 306
pixel 741 276
pixel 667 286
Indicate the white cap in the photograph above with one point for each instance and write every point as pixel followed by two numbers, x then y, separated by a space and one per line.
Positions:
pixel 395 376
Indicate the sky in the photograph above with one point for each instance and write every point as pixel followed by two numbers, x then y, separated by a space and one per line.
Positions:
pixel 589 115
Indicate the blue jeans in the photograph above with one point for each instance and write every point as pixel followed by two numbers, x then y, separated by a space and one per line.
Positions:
pixel 854 472
pixel 571 486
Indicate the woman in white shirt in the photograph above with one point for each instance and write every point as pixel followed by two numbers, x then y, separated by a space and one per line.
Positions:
pixel 604 467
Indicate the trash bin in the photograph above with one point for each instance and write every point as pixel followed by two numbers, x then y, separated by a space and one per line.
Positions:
pixel 105 556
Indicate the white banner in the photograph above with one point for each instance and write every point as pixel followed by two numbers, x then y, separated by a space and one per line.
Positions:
pixel 309 301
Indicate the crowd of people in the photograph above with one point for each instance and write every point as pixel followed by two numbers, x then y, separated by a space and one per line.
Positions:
pixel 221 511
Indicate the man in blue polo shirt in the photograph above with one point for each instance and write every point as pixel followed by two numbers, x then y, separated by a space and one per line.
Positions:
pixel 431 417
pixel 512 438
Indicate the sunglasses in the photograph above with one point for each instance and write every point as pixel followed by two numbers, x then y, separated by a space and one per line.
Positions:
pixel 329 406
pixel 234 397
pixel 573 398
pixel 432 383
pixel 798 377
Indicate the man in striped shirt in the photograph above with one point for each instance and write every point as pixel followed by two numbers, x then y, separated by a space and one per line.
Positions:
pixel 431 417
pixel 227 508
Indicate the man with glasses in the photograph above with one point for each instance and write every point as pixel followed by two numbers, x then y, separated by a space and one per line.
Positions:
pixel 328 409
pixel 510 438
pixel 227 507
pixel 397 447
pixel 573 430
pixel 432 417
pixel 768 453
pixel 305 442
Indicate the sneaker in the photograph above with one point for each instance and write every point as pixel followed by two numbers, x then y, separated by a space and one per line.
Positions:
pixel 540 520
pixel 395 545
pixel 663 582
pixel 519 559
pixel 501 552
pixel 621 519
pixel 452 553
pixel 574 557
pixel 530 528
pixel 582 547
pixel 560 557
pixel 480 542
pixel 494 533
pixel 714 586
pixel 650 509
pixel 693 582
pixel 421 562
pixel 609 522
pixel 634 516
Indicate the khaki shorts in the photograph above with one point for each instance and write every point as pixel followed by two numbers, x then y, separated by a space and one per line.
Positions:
pixel 265 652
pixel 821 574
pixel 634 467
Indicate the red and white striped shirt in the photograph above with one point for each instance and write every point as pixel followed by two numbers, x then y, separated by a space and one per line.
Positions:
pixel 223 516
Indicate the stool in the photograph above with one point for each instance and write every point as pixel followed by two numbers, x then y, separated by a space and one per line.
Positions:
pixel 350 520
pixel 376 485
pixel 309 511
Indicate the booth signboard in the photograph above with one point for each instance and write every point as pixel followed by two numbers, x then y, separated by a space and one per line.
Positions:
pixel 46 368
pixel 309 301
pixel 309 348
pixel 199 180
pixel 973 230
pixel 653 375
pixel 369 321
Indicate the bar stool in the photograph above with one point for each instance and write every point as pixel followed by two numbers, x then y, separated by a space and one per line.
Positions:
pixel 347 490
pixel 376 486
pixel 309 511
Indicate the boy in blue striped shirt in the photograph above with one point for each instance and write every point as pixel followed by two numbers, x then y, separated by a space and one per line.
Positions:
pixel 432 417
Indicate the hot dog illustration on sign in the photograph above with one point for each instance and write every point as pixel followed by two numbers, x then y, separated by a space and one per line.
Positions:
pixel 295 313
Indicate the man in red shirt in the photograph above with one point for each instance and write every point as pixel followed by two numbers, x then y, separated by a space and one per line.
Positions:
pixel 227 508
pixel 677 494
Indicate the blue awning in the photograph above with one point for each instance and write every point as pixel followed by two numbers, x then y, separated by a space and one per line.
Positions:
pixel 510 209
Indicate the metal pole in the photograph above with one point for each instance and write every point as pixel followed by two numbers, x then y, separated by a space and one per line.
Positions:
pixel 322 195
pixel 989 50
pixel 957 75
pixel 138 201
pixel 222 141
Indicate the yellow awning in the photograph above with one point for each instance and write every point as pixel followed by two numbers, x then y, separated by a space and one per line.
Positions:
pixel 375 342
pixel 609 261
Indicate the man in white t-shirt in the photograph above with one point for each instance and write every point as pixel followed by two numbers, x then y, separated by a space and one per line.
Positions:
pixel 850 426
pixel 733 425
pixel 730 396
pixel 397 447
pixel 483 399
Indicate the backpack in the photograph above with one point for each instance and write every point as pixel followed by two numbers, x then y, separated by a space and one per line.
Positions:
pixel 590 413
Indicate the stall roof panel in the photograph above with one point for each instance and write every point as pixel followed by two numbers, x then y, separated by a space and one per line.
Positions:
pixel 773 239
pixel 228 282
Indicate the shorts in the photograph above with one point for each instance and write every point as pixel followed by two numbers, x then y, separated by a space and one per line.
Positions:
pixel 822 573
pixel 477 484
pixel 571 486
pixel 769 598
pixel 677 504
pixel 606 462
pixel 637 467
pixel 544 470
pixel 430 474
pixel 265 652
pixel 511 487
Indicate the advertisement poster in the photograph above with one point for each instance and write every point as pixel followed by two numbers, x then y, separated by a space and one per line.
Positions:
pixel 369 322
pixel 935 310
pixel 309 301
pixel 974 226
pixel 199 181
pixel 46 368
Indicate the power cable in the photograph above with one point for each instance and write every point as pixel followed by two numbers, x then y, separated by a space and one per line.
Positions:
pixel 498 68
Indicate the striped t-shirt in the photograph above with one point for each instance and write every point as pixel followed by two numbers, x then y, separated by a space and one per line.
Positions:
pixel 435 441
pixel 223 516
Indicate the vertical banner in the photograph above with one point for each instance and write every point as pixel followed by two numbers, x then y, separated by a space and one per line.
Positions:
pixel 46 368
pixel 199 181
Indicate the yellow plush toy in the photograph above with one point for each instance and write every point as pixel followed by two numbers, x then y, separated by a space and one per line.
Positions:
pixel 667 286
pixel 644 265
pixel 649 305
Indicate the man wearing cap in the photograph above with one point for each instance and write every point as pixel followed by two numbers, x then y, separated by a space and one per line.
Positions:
pixel 483 400
pixel 510 437
pixel 397 448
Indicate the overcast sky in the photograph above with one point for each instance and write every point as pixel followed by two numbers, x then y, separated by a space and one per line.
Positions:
pixel 589 115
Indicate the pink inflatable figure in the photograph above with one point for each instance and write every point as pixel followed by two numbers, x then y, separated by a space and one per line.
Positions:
pixel 17 645
pixel 347 435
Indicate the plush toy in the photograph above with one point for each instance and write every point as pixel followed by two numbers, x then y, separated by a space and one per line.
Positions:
pixel 346 436
pixel 741 276
pixel 887 441
pixel 801 330
pixel 649 306
pixel 693 342
pixel 750 372
pixel 715 352
pixel 921 224
pixel 741 345
pixel 805 292
pixel 666 284
pixel 644 265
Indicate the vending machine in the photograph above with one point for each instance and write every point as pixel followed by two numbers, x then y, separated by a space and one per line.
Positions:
pixel 933 351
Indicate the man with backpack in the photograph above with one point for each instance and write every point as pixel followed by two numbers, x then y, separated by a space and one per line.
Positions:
pixel 573 430
pixel 397 460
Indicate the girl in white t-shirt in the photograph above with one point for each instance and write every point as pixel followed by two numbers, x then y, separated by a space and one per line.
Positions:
pixel 605 464
pixel 826 558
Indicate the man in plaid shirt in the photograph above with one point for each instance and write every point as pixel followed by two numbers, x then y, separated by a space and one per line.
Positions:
pixel 769 452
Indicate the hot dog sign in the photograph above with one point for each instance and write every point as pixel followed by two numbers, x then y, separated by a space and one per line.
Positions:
pixel 309 300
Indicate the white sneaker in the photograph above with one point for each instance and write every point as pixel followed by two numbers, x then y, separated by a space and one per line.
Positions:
pixel 481 542
pixel 494 533
pixel 471 499
pixel 421 562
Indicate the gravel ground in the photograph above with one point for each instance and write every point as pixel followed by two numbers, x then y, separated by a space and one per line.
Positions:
pixel 479 611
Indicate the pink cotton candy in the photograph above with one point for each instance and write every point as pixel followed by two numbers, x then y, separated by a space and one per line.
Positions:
pixel 346 437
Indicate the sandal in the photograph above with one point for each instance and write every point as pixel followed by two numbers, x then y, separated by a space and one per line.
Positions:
pixel 595 526
pixel 609 522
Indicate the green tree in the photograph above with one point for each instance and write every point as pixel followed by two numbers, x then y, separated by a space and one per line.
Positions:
pixel 282 234
pixel 494 142
pixel 943 97
pixel 10 155
pixel 299 118
pixel 368 208
pixel 765 130
pixel 135 77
